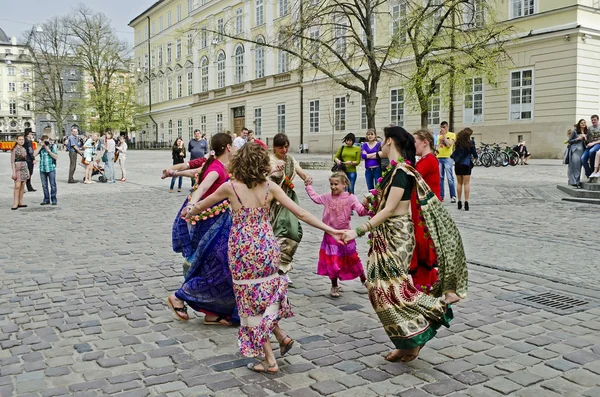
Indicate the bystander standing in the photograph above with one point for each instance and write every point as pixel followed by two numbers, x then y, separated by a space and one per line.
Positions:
pixel 48 153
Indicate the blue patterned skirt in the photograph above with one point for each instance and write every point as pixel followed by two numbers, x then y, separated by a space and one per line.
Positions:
pixel 208 286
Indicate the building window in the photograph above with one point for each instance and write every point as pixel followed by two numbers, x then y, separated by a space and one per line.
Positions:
pixel 433 114
pixel 474 15
pixel 521 8
pixel 203 124
pixel 339 108
pixel 170 130
pixel 189 44
pixel 179 127
pixel 178 12
pixel 220 29
pixel 280 118
pixel 25 72
pixel 169 89
pixel 363 114
pixel 190 128
pixel 260 12
pixel 239 21
pixel 179 86
pixel 204 38
pixel 27 106
pixel 169 53
pixel 12 107
pixel 178 49
pixel 340 34
pixel 238 60
pixel 397 107
pixel 258 121
pixel 12 87
pixel 204 74
pixel 25 87
pixel 473 101
pixel 221 70
pixel 169 19
pixel 398 19
pixel 363 33
pixel 190 6
pixel 153 27
pixel 160 24
pixel 161 91
pixel 521 95
pixel 313 115
pixel 160 55
pixel 219 122
pixel 259 59
pixel 190 83
pixel 11 71
pixel 283 7
pixel 314 36
pixel 283 64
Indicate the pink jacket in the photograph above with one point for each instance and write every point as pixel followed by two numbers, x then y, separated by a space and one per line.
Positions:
pixel 338 209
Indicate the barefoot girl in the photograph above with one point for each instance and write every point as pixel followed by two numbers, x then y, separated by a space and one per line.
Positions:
pixel 409 316
pixel 260 292
pixel 338 261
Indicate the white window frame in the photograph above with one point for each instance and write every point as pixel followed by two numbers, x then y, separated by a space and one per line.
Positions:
pixel 315 35
pixel 178 12
pixel 258 121
pixel 168 19
pixel 363 33
pixel 470 97
pixel 520 88
pixel 523 5
pixel 238 64
pixel 12 71
pixel 203 123
pixel 170 130
pixel 160 24
pixel 219 122
pixel 364 121
pixel 169 53
pixel 161 90
pixel 314 116
pixel 259 59
pixel 26 87
pixel 203 37
pixel 283 7
pixel 281 118
pixel 434 108
pixel 283 61
pixel 474 14
pixel 190 6
pixel 190 44
pixel 153 28
pixel 160 55
pixel 190 82
pixel 12 107
pixel 220 29
pixel 179 85
pixel 179 128
pixel 204 74
pixel 178 49
pixel 190 128
pixel 339 113
pixel 260 12
pixel 397 115
pixel 397 18
pixel 12 87
pixel 221 59
pixel 169 88
pixel 239 21
pixel 339 30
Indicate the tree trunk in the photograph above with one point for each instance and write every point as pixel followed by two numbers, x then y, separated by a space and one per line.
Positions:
pixel 370 104
pixel 424 120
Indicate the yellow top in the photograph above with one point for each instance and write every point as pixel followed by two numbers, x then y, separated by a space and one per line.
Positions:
pixel 444 151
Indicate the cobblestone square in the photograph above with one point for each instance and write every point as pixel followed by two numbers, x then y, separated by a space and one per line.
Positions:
pixel 83 288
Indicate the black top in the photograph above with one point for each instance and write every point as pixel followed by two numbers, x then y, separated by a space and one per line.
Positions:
pixel 177 157
pixel 462 156
pixel 402 180
pixel 29 148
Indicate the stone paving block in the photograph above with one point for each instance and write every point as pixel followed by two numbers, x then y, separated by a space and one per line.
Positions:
pixel 414 393
pixel 563 387
pixel 304 392
pixel 524 378
pixel 582 377
pixel 592 392
pixel 444 387
pixel 561 365
pixel 502 385
pixel 455 367
pixel 327 387
pixel 470 378
pixel 581 357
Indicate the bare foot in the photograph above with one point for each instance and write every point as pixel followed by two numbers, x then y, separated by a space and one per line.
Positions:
pixel 451 297
pixel 411 354
pixel 394 355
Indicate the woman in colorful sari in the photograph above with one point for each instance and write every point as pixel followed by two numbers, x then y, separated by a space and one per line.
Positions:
pixel 286 226
pixel 410 317
pixel 202 238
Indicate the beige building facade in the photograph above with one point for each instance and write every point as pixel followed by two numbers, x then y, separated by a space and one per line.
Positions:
pixel 188 78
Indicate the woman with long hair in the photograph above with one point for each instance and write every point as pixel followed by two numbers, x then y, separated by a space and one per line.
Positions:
pixel 410 317
pixel 369 153
pixel 260 291
pixel 286 227
pixel 20 172
pixel 423 266
pixel 202 240
pixel 178 155
pixel 464 151
pixel 577 143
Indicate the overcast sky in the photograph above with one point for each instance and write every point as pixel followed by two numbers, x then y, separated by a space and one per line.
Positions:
pixel 17 16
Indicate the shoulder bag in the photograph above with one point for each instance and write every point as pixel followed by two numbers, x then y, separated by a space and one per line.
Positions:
pixel 339 167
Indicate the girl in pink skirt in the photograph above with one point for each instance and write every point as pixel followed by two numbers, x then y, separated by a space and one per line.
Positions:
pixel 338 261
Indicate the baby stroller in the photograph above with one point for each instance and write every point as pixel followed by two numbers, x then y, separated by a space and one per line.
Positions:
pixel 97 170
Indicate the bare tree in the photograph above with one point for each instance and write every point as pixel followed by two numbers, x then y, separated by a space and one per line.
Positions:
pixel 103 56
pixel 51 53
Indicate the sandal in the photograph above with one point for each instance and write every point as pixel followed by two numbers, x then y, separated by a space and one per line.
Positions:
pixel 285 347
pixel 22 206
pixel 265 368
pixel 178 310
pixel 218 321
pixel 335 292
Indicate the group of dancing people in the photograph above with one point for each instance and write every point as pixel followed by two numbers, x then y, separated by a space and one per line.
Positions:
pixel 239 229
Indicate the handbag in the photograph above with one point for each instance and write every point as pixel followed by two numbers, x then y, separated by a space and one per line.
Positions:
pixel 104 157
pixel 339 167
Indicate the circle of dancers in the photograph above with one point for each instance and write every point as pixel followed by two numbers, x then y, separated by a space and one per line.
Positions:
pixel 240 227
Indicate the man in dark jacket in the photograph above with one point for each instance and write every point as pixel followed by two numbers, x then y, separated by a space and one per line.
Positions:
pixel 30 157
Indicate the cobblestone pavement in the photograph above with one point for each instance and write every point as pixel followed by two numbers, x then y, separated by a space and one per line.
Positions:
pixel 82 291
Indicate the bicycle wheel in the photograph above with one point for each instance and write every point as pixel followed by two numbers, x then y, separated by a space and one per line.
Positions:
pixel 486 160
pixel 497 159
pixel 513 158
pixel 504 157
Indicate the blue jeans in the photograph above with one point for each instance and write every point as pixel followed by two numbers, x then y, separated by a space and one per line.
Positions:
pixel 352 177
pixel 589 154
pixel 446 165
pixel 109 167
pixel 173 181
pixel 372 175
pixel 49 177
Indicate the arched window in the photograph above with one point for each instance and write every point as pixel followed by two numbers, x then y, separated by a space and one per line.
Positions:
pixel 221 70
pixel 259 59
pixel 238 60
pixel 204 74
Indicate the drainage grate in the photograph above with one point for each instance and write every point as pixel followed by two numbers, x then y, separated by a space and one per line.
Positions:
pixel 41 208
pixel 551 301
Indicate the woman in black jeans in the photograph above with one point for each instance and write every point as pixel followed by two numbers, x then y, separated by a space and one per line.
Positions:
pixel 178 158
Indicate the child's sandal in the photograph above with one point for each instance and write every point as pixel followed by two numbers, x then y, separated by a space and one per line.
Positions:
pixel 335 292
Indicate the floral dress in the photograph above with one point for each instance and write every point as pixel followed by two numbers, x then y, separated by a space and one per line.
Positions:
pixel 260 292
pixel 19 157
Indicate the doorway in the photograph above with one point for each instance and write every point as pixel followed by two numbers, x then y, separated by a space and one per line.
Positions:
pixel 239 119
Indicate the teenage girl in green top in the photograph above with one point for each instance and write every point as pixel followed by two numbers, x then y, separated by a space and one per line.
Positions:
pixel 349 155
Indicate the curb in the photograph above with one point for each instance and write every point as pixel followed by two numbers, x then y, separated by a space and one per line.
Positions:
pixel 316 165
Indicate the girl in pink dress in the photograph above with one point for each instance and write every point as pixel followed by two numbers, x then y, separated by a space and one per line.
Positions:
pixel 336 260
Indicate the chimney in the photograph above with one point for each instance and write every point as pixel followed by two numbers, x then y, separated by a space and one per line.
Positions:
pixel 13 40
